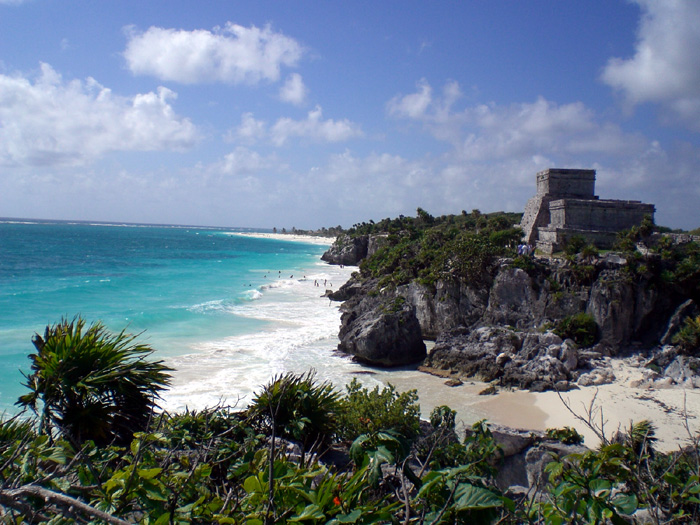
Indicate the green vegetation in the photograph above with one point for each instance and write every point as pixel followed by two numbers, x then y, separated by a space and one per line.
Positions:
pixel 267 465
pixel 688 337
pixel 297 408
pixel 429 248
pixel 368 411
pixel 580 327
pixel 567 435
pixel 669 264
pixel 89 384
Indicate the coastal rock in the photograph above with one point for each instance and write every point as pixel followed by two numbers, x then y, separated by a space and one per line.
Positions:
pixel 599 376
pixel 538 457
pixel 525 360
pixel 349 251
pixel 685 310
pixel 382 332
pixel 346 250
pixel 495 327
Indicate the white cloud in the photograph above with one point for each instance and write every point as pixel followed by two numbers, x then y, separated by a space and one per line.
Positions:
pixel 293 91
pixel 665 67
pixel 243 162
pixel 489 131
pixel 541 128
pixel 315 128
pixel 54 123
pixel 413 105
pixel 233 55
pixel 250 129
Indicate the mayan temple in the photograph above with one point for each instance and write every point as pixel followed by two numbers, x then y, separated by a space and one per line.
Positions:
pixel 566 205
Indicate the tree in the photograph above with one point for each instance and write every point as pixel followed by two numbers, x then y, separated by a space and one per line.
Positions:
pixel 92 384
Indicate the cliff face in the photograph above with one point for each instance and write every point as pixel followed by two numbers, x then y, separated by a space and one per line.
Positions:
pixel 500 327
pixel 349 251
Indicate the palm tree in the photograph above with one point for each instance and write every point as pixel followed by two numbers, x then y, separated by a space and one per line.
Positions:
pixel 92 384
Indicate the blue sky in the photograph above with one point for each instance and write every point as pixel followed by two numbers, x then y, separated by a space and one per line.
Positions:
pixel 310 114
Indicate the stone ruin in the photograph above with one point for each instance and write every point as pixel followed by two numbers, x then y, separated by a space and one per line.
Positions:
pixel 565 205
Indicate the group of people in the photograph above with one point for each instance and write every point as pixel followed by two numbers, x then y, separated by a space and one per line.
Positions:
pixel 526 249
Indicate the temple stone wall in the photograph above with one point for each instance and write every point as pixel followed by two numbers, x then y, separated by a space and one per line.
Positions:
pixel 566 205
pixel 605 215
pixel 566 183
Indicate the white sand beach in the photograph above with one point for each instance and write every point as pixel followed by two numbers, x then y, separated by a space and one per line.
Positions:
pixel 292 237
pixel 675 411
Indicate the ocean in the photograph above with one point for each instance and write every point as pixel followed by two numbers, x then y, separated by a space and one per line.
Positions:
pixel 227 312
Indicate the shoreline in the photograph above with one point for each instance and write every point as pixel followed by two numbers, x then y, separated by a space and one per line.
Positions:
pixel 618 403
pixel 674 411
pixel 291 237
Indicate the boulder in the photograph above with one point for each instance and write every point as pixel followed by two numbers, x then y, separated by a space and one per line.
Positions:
pixel 346 250
pixel 386 335
pixel 525 360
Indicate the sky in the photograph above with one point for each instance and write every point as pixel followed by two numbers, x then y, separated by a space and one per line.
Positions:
pixel 308 114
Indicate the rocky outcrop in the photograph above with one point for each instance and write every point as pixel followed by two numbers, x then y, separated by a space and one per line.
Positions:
pixel 536 361
pixel 499 329
pixel 346 250
pixel 379 329
pixel 349 251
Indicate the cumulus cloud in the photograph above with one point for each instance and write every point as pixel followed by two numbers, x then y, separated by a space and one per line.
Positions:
pixel 293 91
pixel 250 130
pixel 315 128
pixel 243 162
pixel 413 105
pixel 490 131
pixel 51 122
pixel 665 67
pixel 541 128
pixel 233 54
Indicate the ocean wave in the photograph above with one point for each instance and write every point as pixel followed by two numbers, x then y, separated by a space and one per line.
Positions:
pixel 217 305
pixel 252 295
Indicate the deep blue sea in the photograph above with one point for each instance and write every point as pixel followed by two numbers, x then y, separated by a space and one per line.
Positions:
pixel 227 311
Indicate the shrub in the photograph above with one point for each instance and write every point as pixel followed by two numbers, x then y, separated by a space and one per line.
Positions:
pixel 297 408
pixel 574 245
pixel 91 384
pixel 366 411
pixel 566 435
pixel 688 337
pixel 580 327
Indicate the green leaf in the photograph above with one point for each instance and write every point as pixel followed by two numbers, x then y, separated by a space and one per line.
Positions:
pixel 600 488
pixel 149 473
pixel 469 497
pixel 163 519
pixel 252 485
pixel 310 512
pixel 155 493
pixel 352 517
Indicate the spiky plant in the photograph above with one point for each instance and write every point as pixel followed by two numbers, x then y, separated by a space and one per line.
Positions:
pixel 641 437
pixel 15 428
pixel 90 384
pixel 298 408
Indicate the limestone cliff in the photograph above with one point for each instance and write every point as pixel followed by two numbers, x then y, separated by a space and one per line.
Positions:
pixel 499 327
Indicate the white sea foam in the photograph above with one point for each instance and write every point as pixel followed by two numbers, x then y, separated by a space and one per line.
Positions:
pixel 301 336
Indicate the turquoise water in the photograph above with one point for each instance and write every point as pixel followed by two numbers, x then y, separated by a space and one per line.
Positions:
pixel 182 287
pixel 227 312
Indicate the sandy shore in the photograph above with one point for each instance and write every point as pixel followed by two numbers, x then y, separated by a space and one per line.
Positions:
pixel 675 411
pixel 309 239
pixel 618 404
